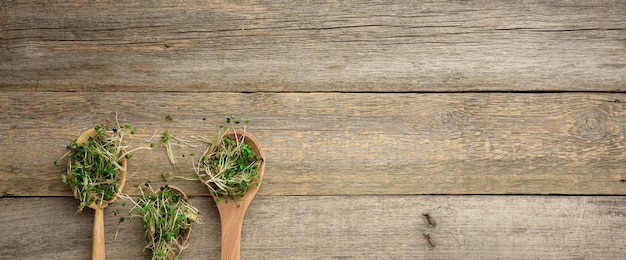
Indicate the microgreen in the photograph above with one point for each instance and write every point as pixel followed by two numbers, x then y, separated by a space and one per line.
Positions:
pixel 165 176
pixel 166 216
pixel 165 141
pixel 94 167
pixel 228 166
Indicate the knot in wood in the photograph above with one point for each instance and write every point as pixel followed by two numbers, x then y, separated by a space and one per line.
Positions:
pixel 447 121
pixel 591 125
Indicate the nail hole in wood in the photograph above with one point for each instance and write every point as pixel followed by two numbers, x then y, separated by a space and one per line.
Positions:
pixel 430 221
pixel 429 240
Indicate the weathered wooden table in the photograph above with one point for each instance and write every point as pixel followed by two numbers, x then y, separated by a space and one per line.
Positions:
pixel 503 122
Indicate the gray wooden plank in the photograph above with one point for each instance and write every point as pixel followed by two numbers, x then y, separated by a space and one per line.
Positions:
pixel 342 144
pixel 348 227
pixel 351 46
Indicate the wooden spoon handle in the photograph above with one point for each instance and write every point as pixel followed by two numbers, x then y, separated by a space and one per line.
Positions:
pixel 231 234
pixel 97 248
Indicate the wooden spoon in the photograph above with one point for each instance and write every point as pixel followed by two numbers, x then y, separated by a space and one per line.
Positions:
pixel 97 247
pixel 232 213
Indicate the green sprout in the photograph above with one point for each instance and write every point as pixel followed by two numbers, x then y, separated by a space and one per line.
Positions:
pixel 165 141
pixel 165 176
pixel 166 216
pixel 229 166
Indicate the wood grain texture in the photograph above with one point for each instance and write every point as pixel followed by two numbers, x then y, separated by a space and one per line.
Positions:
pixel 341 144
pixel 295 46
pixel 350 227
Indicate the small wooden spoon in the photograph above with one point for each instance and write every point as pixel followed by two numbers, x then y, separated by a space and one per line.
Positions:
pixel 231 212
pixel 97 247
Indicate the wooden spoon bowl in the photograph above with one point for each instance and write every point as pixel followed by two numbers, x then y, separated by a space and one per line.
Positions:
pixel 98 245
pixel 231 212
